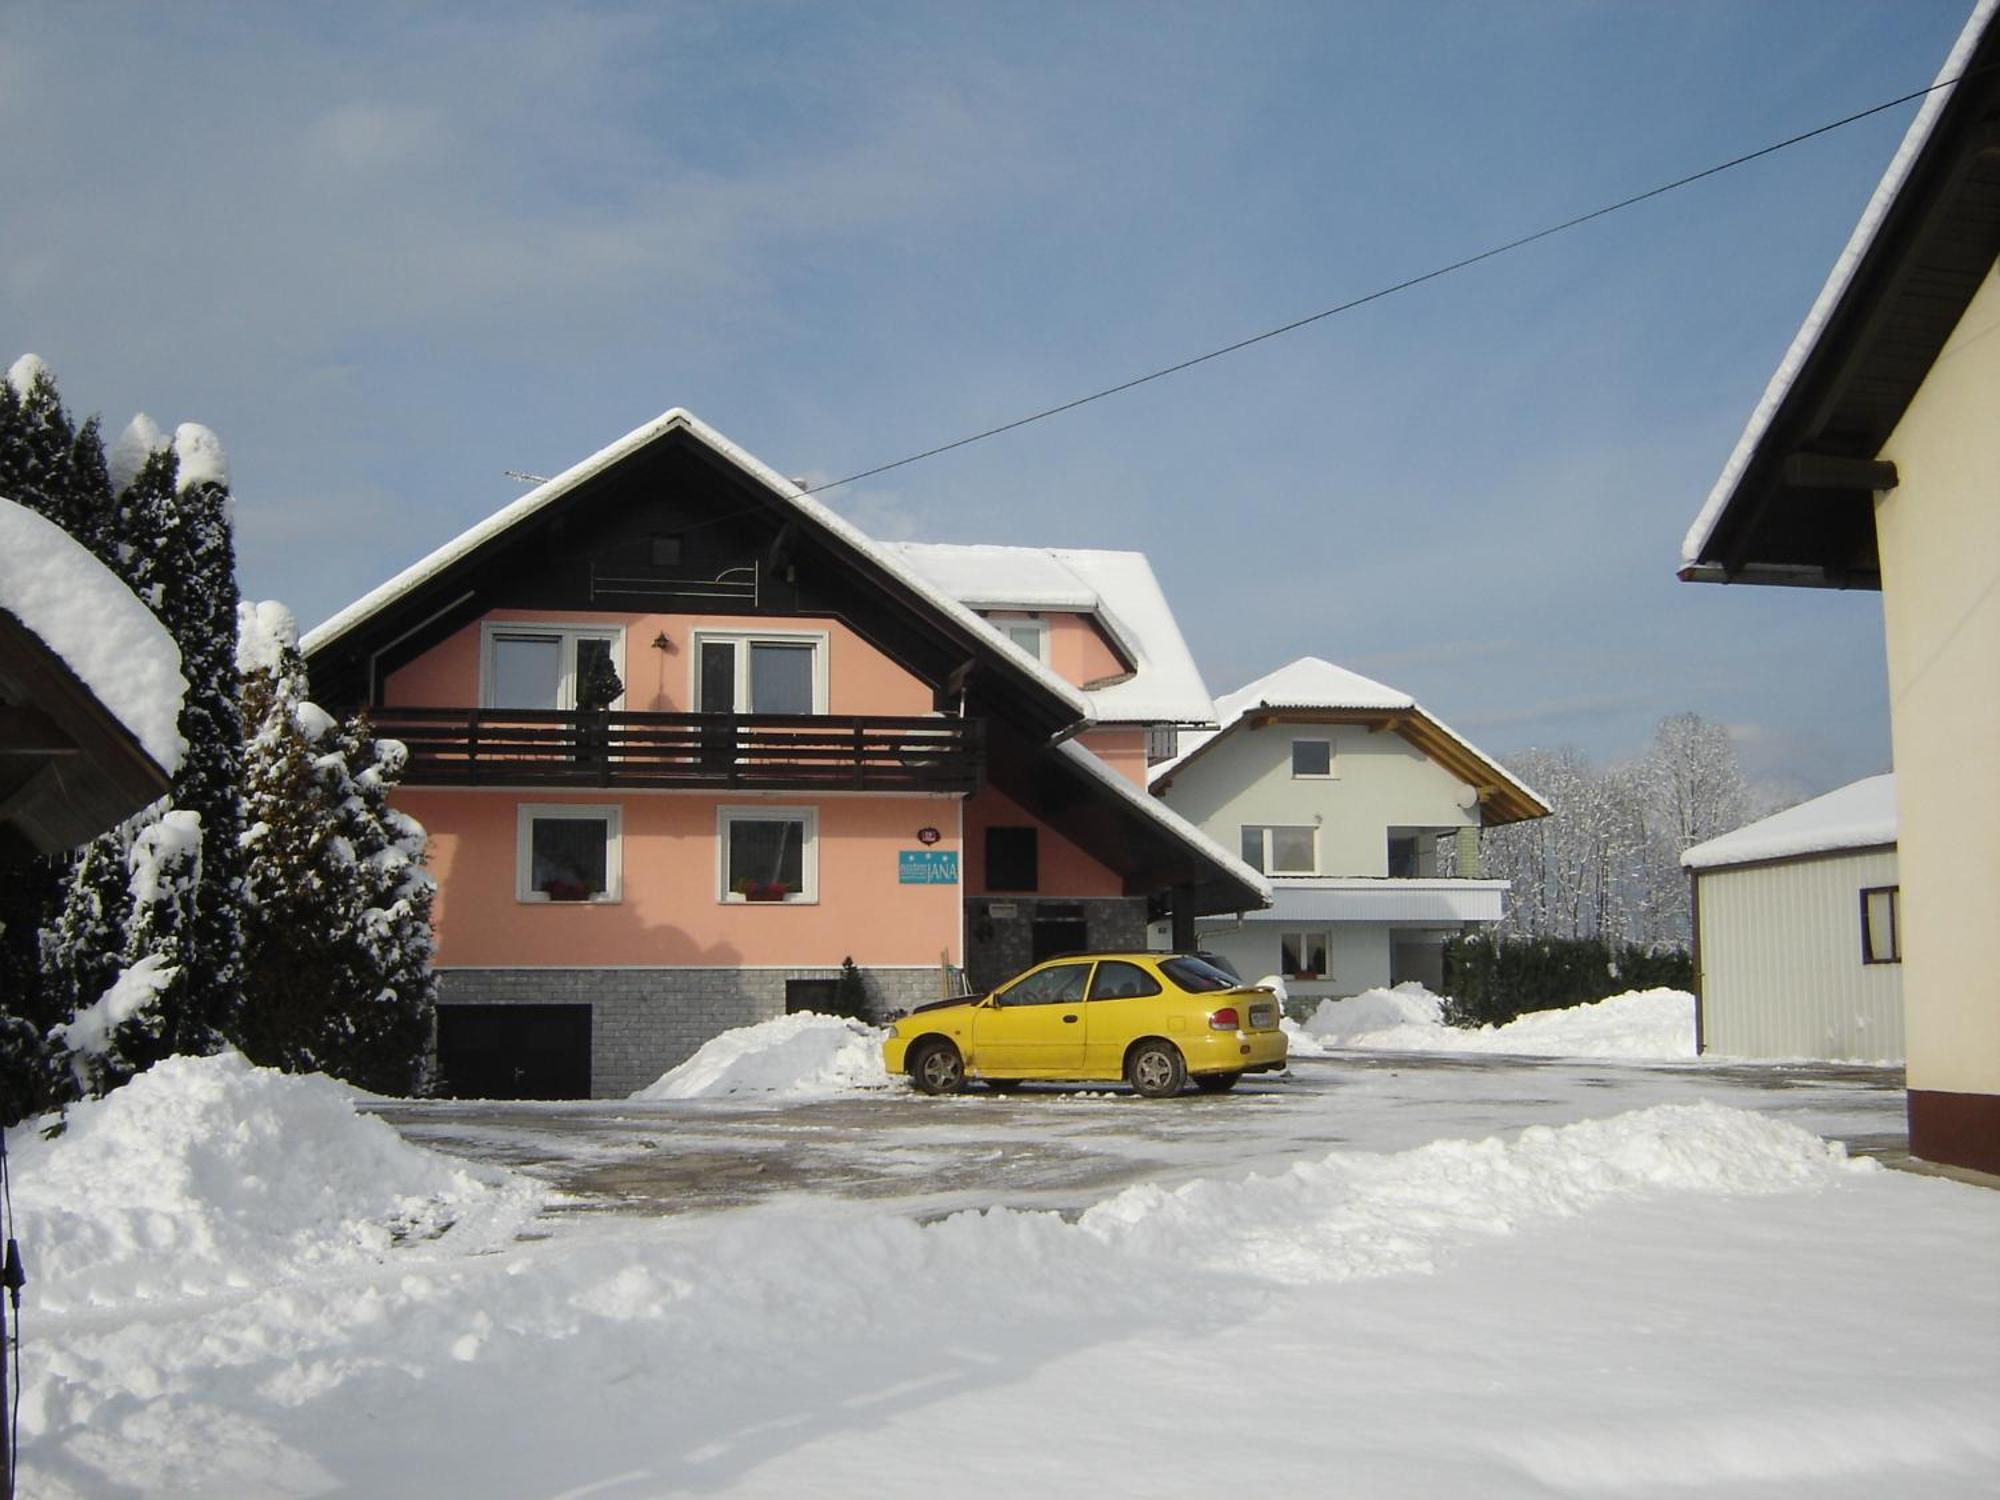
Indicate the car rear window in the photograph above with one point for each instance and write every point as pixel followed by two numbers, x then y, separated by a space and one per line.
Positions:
pixel 1196 975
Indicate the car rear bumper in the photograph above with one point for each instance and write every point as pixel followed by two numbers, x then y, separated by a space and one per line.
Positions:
pixel 1235 1052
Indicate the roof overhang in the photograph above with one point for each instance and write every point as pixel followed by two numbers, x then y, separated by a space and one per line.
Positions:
pixel 1795 504
pixel 1502 797
pixel 69 769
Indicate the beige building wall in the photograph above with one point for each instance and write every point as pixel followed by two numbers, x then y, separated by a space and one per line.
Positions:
pixel 1939 534
pixel 1781 961
pixel 1380 781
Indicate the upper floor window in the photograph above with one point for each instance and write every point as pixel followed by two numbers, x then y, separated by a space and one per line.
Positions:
pixel 1163 742
pixel 1030 636
pixel 545 666
pixel 1277 850
pixel 1881 935
pixel 1312 758
pixel 1012 859
pixel 761 672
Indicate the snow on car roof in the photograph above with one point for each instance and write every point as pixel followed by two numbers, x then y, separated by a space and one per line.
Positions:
pixel 1861 815
pixel 1117 588
pixel 85 614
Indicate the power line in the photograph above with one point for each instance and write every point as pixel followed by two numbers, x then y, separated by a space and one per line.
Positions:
pixel 1389 291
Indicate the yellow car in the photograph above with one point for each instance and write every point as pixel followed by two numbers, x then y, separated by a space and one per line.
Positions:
pixel 1155 1020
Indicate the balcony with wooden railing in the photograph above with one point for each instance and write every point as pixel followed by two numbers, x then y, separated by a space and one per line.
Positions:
pixel 513 747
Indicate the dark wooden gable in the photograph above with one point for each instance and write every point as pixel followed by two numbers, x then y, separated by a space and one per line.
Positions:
pixel 1802 513
pixel 676 527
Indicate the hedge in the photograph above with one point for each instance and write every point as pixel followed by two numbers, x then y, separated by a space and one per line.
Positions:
pixel 1492 980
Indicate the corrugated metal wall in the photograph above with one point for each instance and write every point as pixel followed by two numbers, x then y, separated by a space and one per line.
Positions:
pixel 1781 970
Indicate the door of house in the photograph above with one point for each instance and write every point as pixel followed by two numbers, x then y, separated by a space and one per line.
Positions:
pixel 514 1051
pixel 1058 929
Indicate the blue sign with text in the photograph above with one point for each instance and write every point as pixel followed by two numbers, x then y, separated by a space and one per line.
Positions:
pixel 927 867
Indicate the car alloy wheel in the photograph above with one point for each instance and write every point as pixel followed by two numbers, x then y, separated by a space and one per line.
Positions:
pixel 938 1069
pixel 1156 1070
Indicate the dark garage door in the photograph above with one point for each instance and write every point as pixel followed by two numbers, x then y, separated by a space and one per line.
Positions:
pixel 514 1051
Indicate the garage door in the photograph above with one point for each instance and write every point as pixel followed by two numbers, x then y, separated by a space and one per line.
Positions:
pixel 514 1051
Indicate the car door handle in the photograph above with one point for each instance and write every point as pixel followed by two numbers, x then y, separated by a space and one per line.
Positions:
pixel 1069 1020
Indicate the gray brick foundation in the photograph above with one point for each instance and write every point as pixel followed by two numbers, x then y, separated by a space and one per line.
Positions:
pixel 1000 930
pixel 645 1021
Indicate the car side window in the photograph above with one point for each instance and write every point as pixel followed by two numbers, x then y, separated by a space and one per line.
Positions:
pixel 1053 986
pixel 1118 980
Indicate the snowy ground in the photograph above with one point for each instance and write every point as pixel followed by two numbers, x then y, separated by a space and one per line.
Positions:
pixel 1393 1274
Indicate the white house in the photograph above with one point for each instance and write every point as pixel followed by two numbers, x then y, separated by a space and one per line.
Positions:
pixel 1798 931
pixel 1869 464
pixel 1362 809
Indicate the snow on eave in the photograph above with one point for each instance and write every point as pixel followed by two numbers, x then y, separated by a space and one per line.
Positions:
pixel 1860 815
pixel 1115 587
pixel 1168 819
pixel 547 493
pixel 84 613
pixel 1838 281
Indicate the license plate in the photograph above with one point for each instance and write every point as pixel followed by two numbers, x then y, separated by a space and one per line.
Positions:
pixel 1263 1017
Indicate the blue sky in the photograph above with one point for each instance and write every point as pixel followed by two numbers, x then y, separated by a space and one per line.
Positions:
pixel 390 250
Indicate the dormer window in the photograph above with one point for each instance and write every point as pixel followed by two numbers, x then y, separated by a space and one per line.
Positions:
pixel 1029 636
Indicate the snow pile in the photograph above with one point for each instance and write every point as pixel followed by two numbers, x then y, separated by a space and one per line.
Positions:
pixel 208 1174
pixel 793 1056
pixel 1355 1214
pixel 86 615
pixel 1651 1024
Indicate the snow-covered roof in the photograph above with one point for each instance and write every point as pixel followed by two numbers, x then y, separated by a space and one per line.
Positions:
pixel 1116 588
pixel 1861 815
pixel 1311 685
pixel 1695 544
pixel 548 492
pixel 85 614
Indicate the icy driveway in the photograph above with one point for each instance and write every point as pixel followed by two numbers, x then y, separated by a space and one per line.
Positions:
pixel 1062 1149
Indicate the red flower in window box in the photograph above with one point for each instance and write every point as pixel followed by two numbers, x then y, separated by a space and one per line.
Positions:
pixel 761 890
pixel 567 890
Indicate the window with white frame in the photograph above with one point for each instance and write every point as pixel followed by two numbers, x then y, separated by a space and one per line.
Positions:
pixel 1302 955
pixel 1163 742
pixel 1312 759
pixel 1277 849
pixel 566 852
pixel 544 666
pixel 1029 635
pixel 768 854
pixel 774 672
pixel 1881 937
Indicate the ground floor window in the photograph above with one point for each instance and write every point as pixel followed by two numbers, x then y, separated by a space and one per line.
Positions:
pixel 1302 955
pixel 566 853
pixel 769 854
pixel 1881 931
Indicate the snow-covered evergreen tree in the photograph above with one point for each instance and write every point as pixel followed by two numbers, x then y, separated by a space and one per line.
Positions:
pixel 337 937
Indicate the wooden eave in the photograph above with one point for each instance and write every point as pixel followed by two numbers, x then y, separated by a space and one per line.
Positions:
pixel 69 769
pixel 1501 800
pixel 1802 512
pixel 899 620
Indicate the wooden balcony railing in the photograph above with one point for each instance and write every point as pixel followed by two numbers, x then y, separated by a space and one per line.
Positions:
pixel 750 752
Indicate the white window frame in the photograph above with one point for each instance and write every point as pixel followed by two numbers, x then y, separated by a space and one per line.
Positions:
pixel 1263 865
pixel 1332 771
pixel 610 814
pixel 1320 935
pixel 768 813
pixel 491 632
pixel 1008 623
pixel 743 640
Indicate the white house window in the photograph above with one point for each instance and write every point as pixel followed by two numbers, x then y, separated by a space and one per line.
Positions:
pixel 1163 742
pixel 777 673
pixel 1279 850
pixel 566 852
pixel 1302 955
pixel 1312 758
pixel 768 854
pixel 1881 932
pixel 1030 636
pixel 543 666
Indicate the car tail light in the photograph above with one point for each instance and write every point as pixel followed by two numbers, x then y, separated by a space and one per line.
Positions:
pixel 1225 1019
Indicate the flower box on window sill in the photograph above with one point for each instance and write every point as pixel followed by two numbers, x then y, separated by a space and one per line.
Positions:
pixel 756 890
pixel 567 890
pixel 1306 974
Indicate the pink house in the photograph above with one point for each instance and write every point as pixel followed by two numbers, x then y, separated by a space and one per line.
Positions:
pixel 685 740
